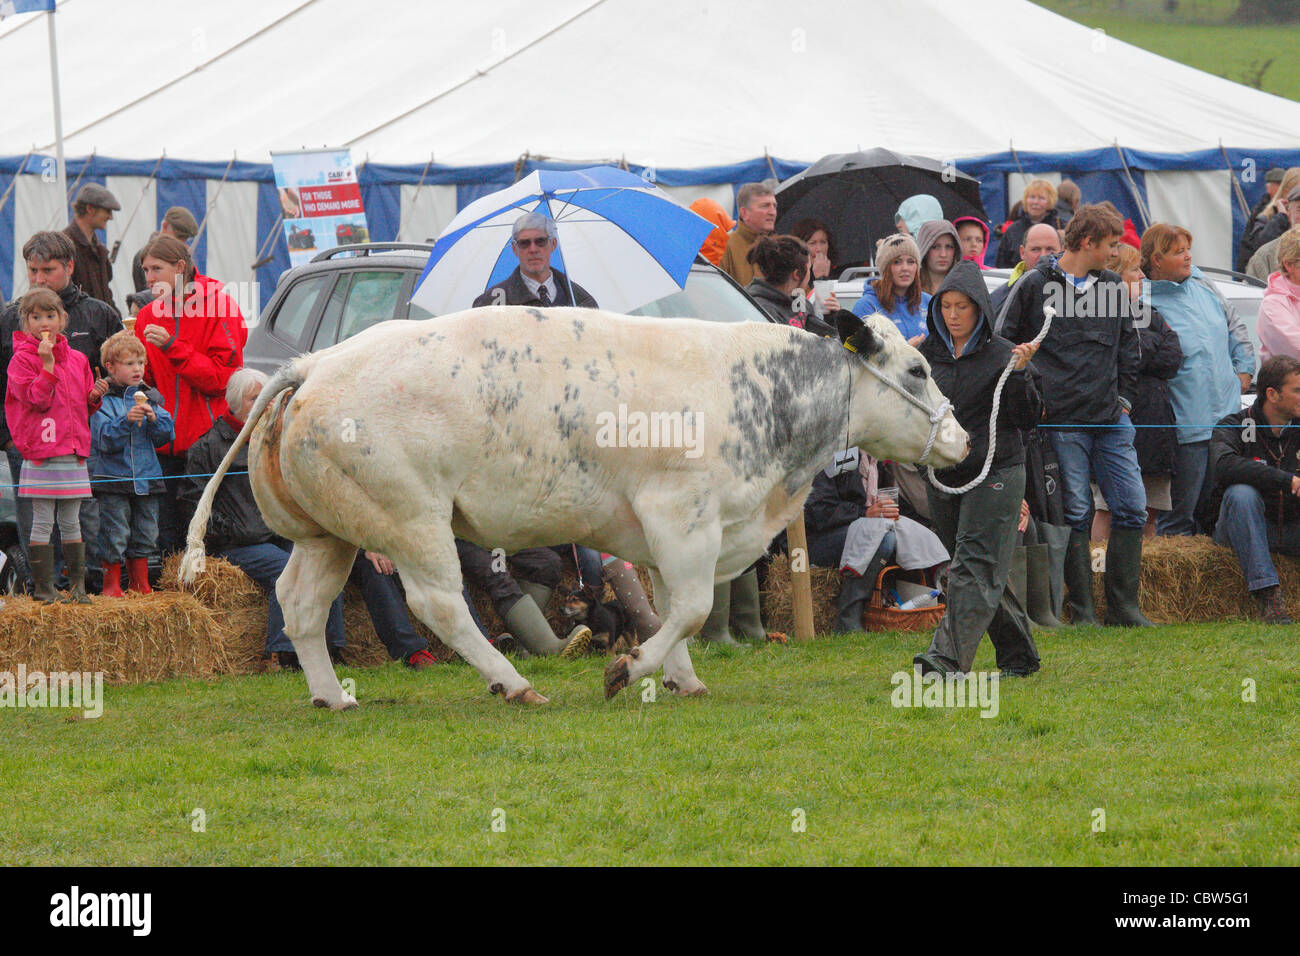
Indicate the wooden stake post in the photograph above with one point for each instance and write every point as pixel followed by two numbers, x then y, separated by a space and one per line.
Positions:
pixel 800 579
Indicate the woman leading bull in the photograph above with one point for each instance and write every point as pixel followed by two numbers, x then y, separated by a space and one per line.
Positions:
pixel 978 527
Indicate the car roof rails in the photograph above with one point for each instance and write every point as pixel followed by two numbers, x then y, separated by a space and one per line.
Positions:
pixel 366 248
pixel 1236 276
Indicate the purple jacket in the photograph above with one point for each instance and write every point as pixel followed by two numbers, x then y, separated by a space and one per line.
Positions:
pixel 48 414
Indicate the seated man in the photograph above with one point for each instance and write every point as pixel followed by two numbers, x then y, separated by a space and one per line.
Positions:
pixel 1255 476
pixel 522 604
pixel 236 530
pixel 534 282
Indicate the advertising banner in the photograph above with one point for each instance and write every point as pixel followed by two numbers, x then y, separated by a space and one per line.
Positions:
pixel 321 201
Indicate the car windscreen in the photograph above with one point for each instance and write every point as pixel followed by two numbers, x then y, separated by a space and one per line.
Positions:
pixel 708 295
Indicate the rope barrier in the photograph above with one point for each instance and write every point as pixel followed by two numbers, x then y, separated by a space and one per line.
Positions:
pixel 101 481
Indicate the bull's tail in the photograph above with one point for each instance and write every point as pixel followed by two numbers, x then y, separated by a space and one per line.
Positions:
pixel 290 376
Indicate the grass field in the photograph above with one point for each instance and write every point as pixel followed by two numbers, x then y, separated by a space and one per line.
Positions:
pixel 1150 727
pixel 1197 37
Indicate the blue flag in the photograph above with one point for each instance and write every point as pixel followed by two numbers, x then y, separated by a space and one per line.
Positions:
pixel 8 7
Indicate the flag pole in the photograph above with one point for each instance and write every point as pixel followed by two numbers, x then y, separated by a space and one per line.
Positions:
pixel 58 117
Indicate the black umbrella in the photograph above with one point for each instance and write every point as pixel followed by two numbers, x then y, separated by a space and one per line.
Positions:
pixel 857 194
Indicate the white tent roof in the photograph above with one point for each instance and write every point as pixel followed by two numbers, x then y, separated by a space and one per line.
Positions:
pixel 676 83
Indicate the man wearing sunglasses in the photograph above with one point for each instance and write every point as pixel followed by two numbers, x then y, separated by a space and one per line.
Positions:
pixel 534 282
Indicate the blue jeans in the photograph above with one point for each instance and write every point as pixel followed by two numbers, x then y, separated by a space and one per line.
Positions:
pixel 1243 525
pixel 264 564
pixel 128 527
pixel 1106 453
pixel 1185 488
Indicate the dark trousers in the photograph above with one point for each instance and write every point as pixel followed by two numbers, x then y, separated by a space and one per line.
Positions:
pixel 538 565
pixel 1186 489
pixel 979 531
pixel 386 604
pixel 173 513
pixel 128 527
pixel 264 563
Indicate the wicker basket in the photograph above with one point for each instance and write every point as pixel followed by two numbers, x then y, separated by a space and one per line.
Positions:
pixel 877 617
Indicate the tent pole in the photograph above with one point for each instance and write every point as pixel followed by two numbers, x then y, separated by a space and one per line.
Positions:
pixel 112 256
pixel 1236 186
pixel 58 113
pixel 4 199
pixel 194 243
pixel 263 256
pixel 1132 185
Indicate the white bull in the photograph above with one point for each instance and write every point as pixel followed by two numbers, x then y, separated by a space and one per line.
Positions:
pixel 518 427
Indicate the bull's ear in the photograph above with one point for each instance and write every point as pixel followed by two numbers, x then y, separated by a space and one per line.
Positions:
pixel 855 333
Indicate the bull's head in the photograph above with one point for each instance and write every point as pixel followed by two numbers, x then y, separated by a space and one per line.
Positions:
pixel 894 399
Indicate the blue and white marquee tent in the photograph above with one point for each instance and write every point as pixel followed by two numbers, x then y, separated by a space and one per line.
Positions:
pixel 441 102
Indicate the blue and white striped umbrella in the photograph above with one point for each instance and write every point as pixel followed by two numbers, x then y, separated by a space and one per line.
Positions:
pixel 619 237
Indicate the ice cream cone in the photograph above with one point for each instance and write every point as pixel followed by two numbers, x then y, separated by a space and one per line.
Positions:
pixel 141 399
pixel 129 323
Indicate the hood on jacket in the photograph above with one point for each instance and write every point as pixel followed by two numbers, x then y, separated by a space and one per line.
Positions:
pixel 956 224
pixel 916 211
pixel 1279 284
pixel 929 235
pixel 965 277
pixel 715 244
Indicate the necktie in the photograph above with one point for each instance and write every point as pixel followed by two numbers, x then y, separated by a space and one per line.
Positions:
pixel 543 295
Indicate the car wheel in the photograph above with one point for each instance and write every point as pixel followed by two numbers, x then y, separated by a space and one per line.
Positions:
pixel 13 579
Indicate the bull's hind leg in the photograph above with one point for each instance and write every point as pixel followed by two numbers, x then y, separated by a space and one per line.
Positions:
pixel 430 573
pixel 313 578
pixel 679 672
pixel 686 564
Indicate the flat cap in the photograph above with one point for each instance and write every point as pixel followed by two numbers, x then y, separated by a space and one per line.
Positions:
pixel 1274 175
pixel 93 194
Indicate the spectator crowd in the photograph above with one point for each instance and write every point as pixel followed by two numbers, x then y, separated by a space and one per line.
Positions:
pixel 1131 393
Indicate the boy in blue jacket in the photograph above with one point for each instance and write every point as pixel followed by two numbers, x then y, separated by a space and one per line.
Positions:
pixel 130 424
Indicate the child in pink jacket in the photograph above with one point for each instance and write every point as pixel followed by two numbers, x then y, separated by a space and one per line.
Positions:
pixel 48 405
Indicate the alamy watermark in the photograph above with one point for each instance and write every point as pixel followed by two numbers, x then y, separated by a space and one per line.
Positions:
pixel 977 689
pixel 637 429
pixel 83 690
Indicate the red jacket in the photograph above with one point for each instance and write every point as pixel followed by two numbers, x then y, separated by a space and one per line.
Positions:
pixel 192 368
pixel 49 413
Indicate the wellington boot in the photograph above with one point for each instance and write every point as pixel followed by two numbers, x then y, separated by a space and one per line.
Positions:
pixel 74 554
pixel 1123 566
pixel 41 559
pixel 1038 584
pixel 1078 579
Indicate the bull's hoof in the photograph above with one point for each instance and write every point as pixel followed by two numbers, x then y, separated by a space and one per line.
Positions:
pixel 346 702
pixel 696 689
pixel 616 673
pixel 527 696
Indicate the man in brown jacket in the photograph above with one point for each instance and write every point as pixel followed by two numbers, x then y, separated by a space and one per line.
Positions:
pixel 91 210
pixel 756 205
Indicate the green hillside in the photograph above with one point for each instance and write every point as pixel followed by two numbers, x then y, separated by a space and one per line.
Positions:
pixel 1201 33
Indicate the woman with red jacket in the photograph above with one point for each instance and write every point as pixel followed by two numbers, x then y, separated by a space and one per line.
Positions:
pixel 193 335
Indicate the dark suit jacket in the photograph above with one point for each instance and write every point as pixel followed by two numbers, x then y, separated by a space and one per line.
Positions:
pixel 516 292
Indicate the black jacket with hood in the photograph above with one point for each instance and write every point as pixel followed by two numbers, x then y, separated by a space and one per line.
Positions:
pixel 969 381
pixel 1090 358
pixel 236 520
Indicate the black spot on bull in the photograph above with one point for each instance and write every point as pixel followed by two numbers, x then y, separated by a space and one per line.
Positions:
pixel 786 406
pixel 538 315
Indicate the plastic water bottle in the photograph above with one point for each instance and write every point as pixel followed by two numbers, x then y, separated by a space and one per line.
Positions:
pixel 920 601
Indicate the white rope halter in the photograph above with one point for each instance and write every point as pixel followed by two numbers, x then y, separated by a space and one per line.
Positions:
pixel 1048 313
pixel 936 414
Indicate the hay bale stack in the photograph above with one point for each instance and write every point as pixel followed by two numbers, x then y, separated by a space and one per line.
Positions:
pixel 1188 580
pixel 778 608
pixel 131 640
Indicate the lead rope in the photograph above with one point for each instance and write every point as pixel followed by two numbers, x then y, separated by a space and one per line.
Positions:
pixel 1048 314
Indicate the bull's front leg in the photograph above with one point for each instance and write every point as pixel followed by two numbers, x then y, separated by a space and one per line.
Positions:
pixel 686 567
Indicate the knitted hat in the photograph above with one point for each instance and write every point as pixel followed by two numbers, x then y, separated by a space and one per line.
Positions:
pixel 894 247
